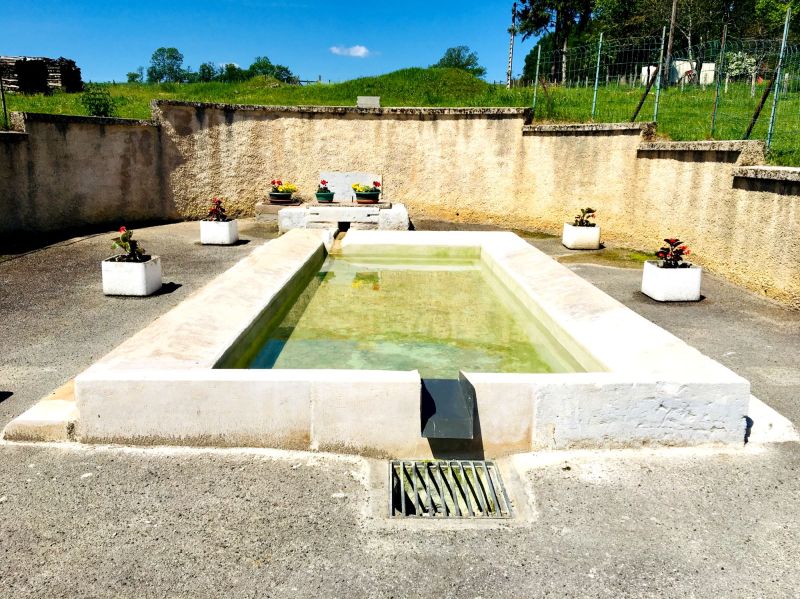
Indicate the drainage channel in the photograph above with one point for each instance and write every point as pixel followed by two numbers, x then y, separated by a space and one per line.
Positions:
pixel 447 489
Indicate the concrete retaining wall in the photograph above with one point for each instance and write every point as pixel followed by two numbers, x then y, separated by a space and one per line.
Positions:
pixel 66 171
pixel 474 165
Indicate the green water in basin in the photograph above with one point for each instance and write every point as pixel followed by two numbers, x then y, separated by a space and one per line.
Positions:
pixel 435 316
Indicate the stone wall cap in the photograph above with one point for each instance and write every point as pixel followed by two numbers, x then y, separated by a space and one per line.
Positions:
pixel 736 145
pixel 78 119
pixel 587 127
pixel 774 173
pixel 396 110
pixel 13 136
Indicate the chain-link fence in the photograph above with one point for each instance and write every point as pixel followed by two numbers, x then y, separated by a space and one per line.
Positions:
pixel 721 89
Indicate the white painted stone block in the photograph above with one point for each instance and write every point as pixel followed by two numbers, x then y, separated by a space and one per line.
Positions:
pixel 292 218
pixel 219 232
pixel 372 412
pixel 341 183
pixel 132 278
pixel 671 284
pixel 610 410
pixel 505 411
pixel 581 238
pixel 374 217
pixel 368 101
pixel 183 407
pixel 394 219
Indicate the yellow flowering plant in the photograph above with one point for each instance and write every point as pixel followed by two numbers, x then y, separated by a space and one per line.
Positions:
pixel 279 186
pixel 361 188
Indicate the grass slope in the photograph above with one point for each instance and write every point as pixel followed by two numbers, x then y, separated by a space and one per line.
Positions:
pixel 684 114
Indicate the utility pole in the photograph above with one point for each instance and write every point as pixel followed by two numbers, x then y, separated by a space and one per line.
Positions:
pixel 513 32
pixel 672 20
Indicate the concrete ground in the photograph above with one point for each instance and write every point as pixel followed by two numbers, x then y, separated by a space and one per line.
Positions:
pixel 117 522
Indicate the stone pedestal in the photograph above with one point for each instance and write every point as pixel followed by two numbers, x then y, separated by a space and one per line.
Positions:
pixel 378 216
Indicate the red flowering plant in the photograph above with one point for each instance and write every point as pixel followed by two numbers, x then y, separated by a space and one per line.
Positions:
pixel 133 251
pixel 584 218
pixel 672 254
pixel 217 211
pixel 323 187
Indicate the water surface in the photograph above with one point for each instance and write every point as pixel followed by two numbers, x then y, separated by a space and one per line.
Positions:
pixel 435 316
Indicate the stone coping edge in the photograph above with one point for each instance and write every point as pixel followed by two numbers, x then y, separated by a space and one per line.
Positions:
pixel 13 135
pixel 737 145
pixel 388 111
pixel 589 127
pixel 18 120
pixel 772 173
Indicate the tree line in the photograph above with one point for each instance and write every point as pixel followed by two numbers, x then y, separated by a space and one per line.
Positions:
pixel 166 66
pixel 562 24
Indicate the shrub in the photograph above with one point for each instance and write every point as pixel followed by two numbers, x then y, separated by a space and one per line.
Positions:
pixel 98 101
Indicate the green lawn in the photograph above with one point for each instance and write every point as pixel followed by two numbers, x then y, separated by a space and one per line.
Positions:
pixel 683 114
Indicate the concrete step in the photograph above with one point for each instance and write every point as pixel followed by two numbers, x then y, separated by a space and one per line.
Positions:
pixel 52 418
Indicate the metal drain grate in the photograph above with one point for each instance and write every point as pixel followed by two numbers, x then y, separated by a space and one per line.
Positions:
pixel 447 489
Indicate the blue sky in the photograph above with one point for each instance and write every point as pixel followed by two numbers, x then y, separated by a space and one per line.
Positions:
pixel 109 38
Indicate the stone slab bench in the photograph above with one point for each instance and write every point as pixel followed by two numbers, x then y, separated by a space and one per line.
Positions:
pixel 393 218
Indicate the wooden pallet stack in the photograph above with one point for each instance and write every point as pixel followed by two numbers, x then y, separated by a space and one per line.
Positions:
pixel 35 74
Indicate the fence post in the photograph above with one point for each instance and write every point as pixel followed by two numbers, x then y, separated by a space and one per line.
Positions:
pixel 660 71
pixel 3 96
pixel 719 79
pixel 536 80
pixel 778 77
pixel 597 74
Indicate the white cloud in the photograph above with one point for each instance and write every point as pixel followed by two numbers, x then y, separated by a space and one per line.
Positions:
pixel 353 51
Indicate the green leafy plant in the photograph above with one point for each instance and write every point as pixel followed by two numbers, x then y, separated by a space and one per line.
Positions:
pixel 582 219
pixel 217 211
pixel 133 251
pixel 672 254
pixel 97 100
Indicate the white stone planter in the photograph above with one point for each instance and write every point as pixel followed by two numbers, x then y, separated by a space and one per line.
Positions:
pixel 581 238
pixel 132 278
pixel 219 233
pixel 671 284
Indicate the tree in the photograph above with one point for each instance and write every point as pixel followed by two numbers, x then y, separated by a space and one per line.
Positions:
pixel 231 73
pixel 166 66
pixel 262 66
pixel 136 76
pixel 283 74
pixel 461 57
pixel 207 72
pixel 558 18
